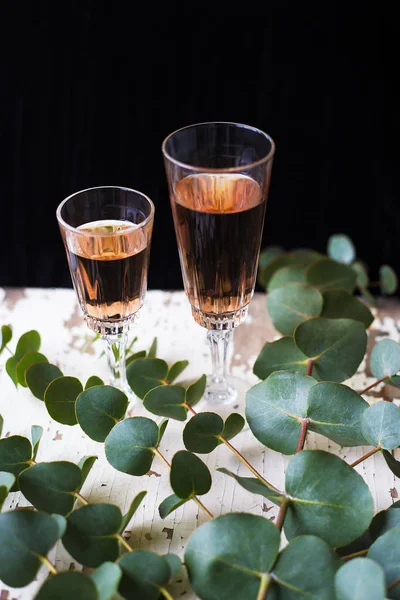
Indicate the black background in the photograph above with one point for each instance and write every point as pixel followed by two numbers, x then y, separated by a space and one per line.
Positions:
pixel 89 91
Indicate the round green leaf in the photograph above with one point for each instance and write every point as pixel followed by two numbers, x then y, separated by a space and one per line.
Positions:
pixel 319 505
pixel 386 551
pixel 26 361
pixel 174 562
pixel 65 586
pixel 36 435
pixel 292 304
pixel 135 356
pixel 200 433
pixel 227 556
pixel 281 355
pixel 388 280
pixel 39 376
pixel 328 274
pixel 166 401
pixel 170 504
pixel 336 411
pixel 306 569
pixel 255 486
pixel 28 342
pixel 381 425
pixel 91 534
pixel 6 336
pixel 339 304
pixel 106 579
pixel 385 359
pixel 232 426
pixel 341 248
pixel 275 409
pixel 161 430
pixel 268 254
pixel 15 454
pixel 392 463
pixel 189 475
pixel 383 521
pixel 61 523
pixel 336 345
pixel 153 349
pixel 85 464
pixel 361 578
pixel 129 445
pixel 362 274
pixel 136 502
pixel 300 258
pixel 144 374
pixel 176 369
pixel 143 574
pixel 50 486
pixel 25 536
pixel 60 398
pixel 98 409
pixel 11 369
pixel 286 275
pixel 7 480
pixel 92 381
pixel 195 392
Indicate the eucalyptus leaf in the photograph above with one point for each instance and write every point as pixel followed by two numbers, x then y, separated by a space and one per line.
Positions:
pixel 386 551
pixel 98 409
pixel 336 345
pixel 144 574
pixel 28 342
pixel 106 579
pixel 6 336
pixel 385 359
pixel 25 536
pixel 292 304
pixel 174 562
pixel 1 425
pixel 327 274
pixel 275 409
pixel 288 259
pixel 71 584
pixel 233 426
pixel 281 355
pixel 362 274
pixel 15 454
pixel 92 381
pixel 339 304
pixel 381 425
pixel 167 401
pixel 227 556
pixel 392 463
pixel 336 411
pixel 135 356
pixel 144 374
pixel 383 521
pixel 255 486
pixel 161 430
pixel 286 275
pixel 129 445
pixel 170 504
pixel 136 502
pixel 306 569
pixel 51 486
pixel 36 435
pixel 360 578
pixel 39 376
pixel 91 536
pixel 7 481
pixel 341 248
pixel 189 475
pixel 85 464
pixel 60 398
pixel 153 349
pixel 176 369
pixel 27 361
pixel 62 524
pixel 201 432
pixel 387 280
pixel 268 254
pixel 319 506
pixel 195 392
pixel 11 369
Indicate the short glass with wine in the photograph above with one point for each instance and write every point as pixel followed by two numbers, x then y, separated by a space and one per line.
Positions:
pixel 218 176
pixel 107 234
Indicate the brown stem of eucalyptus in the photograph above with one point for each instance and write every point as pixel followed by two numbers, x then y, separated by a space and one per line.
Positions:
pixel 355 554
pixel 373 385
pixel 303 433
pixel 370 453
pixel 393 585
pixel 310 365
pixel 282 514
pixel 194 498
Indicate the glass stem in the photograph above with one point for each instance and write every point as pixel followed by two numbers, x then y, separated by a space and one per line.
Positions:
pixel 219 341
pixel 115 350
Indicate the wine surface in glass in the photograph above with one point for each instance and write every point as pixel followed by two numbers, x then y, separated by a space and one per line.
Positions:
pixel 219 221
pixel 108 265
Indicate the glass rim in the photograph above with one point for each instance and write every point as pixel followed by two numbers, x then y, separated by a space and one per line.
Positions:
pixel 239 169
pixel 66 225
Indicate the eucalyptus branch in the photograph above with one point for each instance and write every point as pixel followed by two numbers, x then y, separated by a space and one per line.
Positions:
pixel 362 458
pixel 79 496
pixel 264 585
pixel 310 365
pixel 123 542
pixel 166 594
pixel 394 584
pixel 303 433
pixel 355 554
pixel 194 498
pixel 48 565
pixel 282 514
pixel 369 387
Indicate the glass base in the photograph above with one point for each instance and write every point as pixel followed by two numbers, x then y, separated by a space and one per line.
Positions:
pixel 220 392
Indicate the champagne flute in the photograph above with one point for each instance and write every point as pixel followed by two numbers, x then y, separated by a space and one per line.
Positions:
pixel 218 177
pixel 107 234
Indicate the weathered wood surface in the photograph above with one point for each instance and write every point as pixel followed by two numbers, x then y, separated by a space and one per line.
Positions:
pixel 55 314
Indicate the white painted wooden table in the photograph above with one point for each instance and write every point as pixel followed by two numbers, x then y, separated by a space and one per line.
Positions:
pixel 55 314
